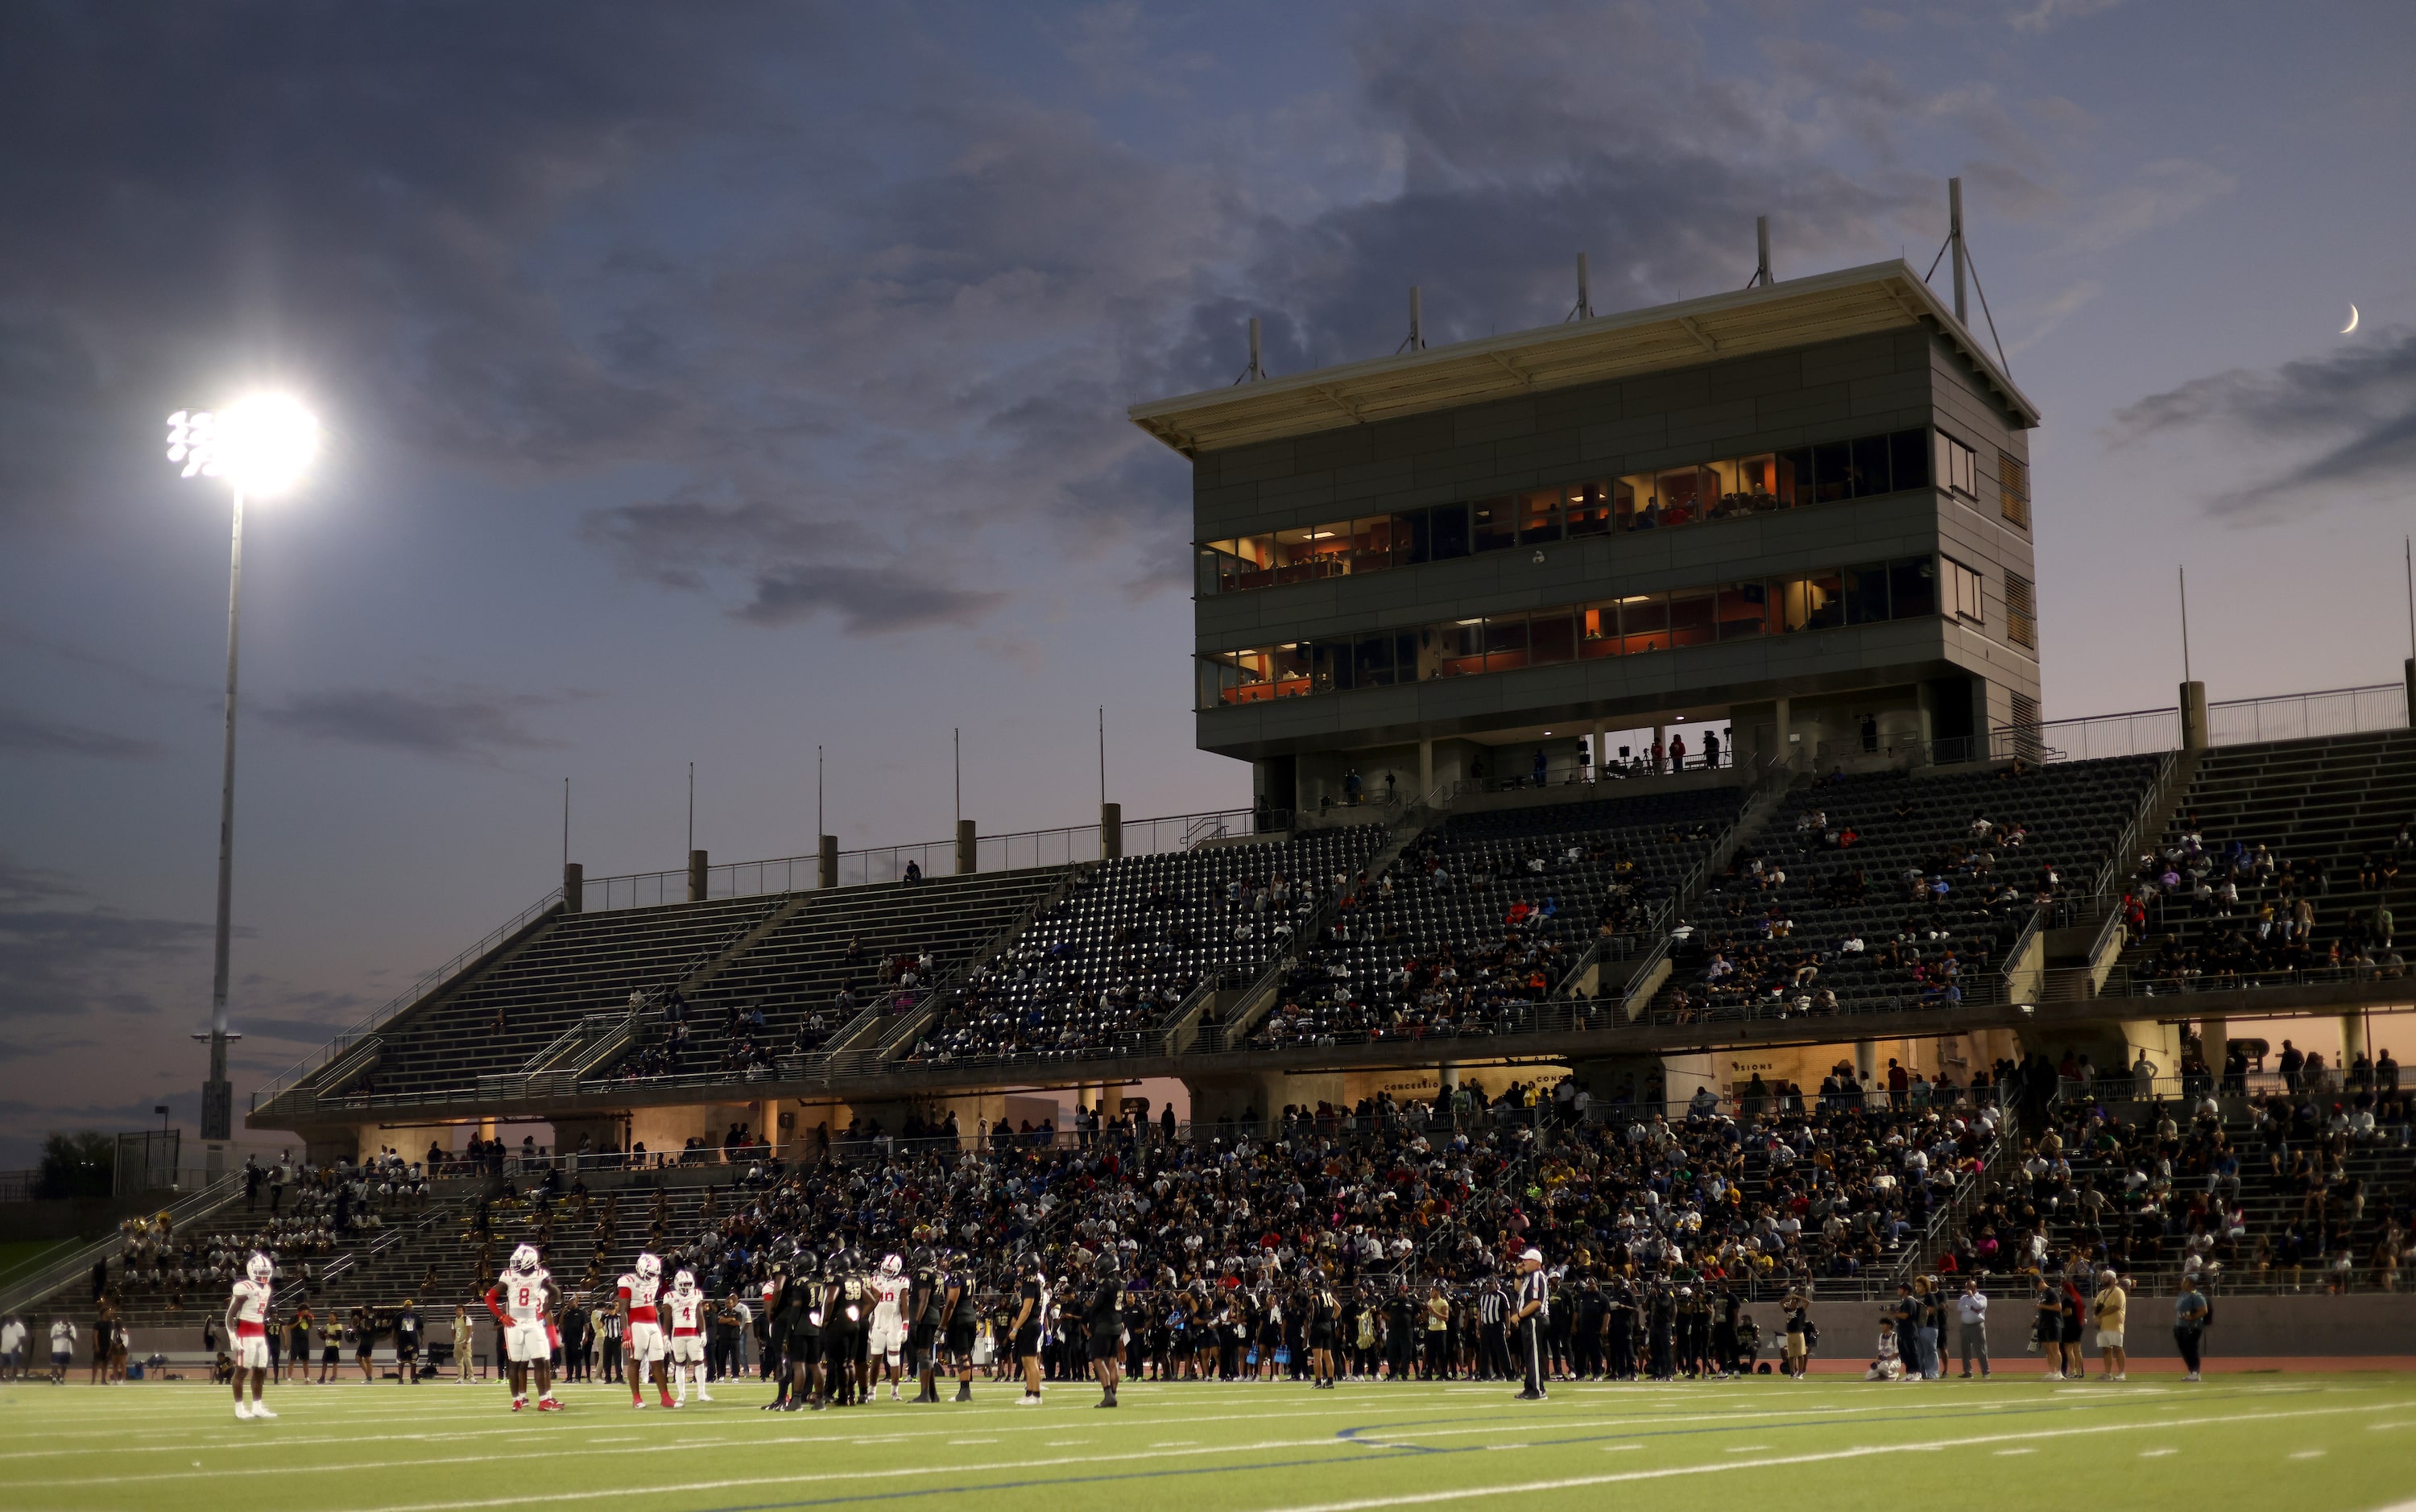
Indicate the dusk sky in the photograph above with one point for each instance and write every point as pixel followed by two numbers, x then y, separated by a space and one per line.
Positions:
pixel 710 382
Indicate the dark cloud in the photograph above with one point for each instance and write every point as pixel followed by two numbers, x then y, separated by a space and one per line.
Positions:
pixel 2352 415
pixel 868 600
pixel 461 724
pixel 65 956
pixel 26 734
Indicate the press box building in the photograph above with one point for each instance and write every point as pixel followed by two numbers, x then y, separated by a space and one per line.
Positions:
pixel 1801 509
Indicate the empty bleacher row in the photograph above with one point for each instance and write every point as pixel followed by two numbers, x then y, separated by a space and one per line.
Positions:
pixel 2283 858
pixel 521 1003
pixel 855 949
pixel 1892 890
pixel 1485 913
pixel 1113 961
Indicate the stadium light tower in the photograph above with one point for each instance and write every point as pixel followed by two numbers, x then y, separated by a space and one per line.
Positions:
pixel 259 446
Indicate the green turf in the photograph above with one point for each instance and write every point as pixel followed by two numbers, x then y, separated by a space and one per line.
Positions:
pixel 2328 1442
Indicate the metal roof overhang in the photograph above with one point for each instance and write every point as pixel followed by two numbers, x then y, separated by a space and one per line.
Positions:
pixel 1797 312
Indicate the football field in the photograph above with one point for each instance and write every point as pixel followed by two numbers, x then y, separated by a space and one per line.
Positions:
pixel 2248 1440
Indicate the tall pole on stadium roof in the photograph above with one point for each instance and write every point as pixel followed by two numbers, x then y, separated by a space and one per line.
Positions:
pixel 1103 754
pixel 260 445
pixel 958 737
pixel 692 808
pixel 2185 580
pixel 565 821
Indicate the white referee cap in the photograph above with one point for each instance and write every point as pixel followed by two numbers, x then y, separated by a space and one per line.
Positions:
pixel 1536 1255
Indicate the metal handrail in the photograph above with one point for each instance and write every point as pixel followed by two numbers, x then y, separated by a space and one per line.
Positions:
pixel 401 1002
pixel 24 1294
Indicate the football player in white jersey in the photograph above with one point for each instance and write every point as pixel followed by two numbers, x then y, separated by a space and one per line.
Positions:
pixel 525 1303
pixel 884 1341
pixel 642 1329
pixel 247 1327
pixel 687 1307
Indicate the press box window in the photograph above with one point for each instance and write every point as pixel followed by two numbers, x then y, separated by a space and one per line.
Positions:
pixel 1963 592
pixel 1958 469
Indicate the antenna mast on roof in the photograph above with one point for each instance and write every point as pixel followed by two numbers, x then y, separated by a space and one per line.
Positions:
pixel 1762 251
pixel 1416 340
pixel 1584 311
pixel 1954 242
pixel 1257 371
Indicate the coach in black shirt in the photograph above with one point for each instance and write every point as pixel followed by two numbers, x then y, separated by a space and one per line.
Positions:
pixel 1030 1308
pixel 1535 1307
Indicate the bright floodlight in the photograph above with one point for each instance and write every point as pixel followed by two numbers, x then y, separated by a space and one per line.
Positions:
pixel 261 445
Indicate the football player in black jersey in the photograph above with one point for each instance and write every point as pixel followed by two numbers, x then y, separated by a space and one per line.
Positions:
pixel 959 1322
pixel 1106 1318
pixel 923 1304
pixel 844 1307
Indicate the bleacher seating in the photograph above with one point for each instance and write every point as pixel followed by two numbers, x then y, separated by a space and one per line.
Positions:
pixel 1112 962
pixel 2264 828
pixel 1935 876
pixel 2306 1191
pixel 863 949
pixel 579 964
pixel 1432 950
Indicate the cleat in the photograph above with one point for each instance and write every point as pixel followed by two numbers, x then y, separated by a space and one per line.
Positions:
pixel 260 1410
pixel 637 1404
pixel 243 1411
pixel 1027 1399
pixel 549 1405
pixel 519 1403
pixel 703 1395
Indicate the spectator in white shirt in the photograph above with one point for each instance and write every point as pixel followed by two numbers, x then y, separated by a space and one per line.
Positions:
pixel 1971 1315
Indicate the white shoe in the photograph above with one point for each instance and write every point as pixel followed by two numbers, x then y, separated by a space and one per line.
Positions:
pixel 1027 1401
pixel 703 1395
pixel 2191 1376
pixel 2125 1376
pixel 893 1393
pixel 243 1411
pixel 260 1409
pixel 2052 1376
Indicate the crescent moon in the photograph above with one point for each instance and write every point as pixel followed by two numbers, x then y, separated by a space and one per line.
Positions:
pixel 2352 321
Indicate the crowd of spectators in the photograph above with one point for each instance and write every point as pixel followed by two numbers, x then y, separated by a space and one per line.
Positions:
pixel 2227 913
pixel 1874 897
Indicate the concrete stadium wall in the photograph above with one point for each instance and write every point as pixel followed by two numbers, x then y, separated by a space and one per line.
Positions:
pixel 2371 1323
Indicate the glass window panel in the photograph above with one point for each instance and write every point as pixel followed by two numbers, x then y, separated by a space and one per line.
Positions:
pixel 1909 459
pixel 1754 485
pixel 1405 656
pixel 1644 623
pixel 1870 466
pixel 1446 532
pixel 1748 609
pixel 1682 492
pixel 1629 503
pixel 1814 601
pixel 1496 523
pixel 1372 662
pixel 1867 593
pixel 1551 636
pixel 1539 516
pixel 1587 510
pixel 1213 569
pixel 1833 472
pixel 1693 618
pixel 1912 588
pixel 1412 541
pixel 1371 544
pixel 1459 647
pixel 1598 629
pixel 1291 665
pixel 1505 642
pixel 1330 666
pixel 1295 556
pixel 1794 477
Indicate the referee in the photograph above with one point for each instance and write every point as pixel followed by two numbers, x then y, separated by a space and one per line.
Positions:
pixel 1535 1307
pixel 1492 1353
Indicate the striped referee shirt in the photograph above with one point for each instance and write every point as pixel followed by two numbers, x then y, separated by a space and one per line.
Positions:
pixel 1533 1288
pixel 1489 1305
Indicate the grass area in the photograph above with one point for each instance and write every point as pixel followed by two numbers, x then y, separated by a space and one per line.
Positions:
pixel 2316 1441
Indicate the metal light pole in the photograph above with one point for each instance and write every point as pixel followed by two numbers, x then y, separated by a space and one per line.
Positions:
pixel 258 446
